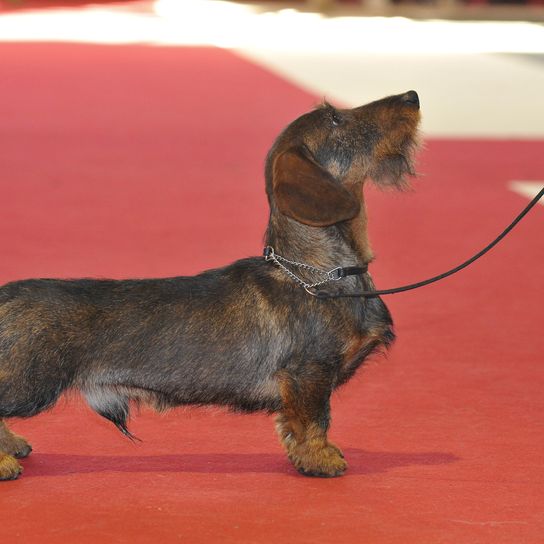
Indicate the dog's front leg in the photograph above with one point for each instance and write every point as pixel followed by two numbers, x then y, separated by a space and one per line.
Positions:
pixel 303 422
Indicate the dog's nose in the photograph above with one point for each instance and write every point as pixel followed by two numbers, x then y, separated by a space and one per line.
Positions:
pixel 411 97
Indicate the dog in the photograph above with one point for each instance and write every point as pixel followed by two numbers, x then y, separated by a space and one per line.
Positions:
pixel 249 336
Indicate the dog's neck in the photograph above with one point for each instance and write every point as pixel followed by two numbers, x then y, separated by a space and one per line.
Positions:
pixel 343 244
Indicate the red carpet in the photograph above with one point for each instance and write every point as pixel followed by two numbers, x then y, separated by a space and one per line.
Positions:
pixel 141 161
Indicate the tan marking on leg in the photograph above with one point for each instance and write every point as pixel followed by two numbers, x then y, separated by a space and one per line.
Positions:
pixel 316 456
pixel 305 440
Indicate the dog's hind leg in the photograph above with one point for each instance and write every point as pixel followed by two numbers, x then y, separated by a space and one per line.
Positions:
pixel 303 422
pixel 11 446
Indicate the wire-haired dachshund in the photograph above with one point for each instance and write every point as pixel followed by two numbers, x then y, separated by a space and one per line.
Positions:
pixel 249 336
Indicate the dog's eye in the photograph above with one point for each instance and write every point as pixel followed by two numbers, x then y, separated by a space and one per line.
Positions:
pixel 336 118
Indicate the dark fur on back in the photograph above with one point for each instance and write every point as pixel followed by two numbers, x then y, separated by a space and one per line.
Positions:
pixel 184 340
pixel 245 336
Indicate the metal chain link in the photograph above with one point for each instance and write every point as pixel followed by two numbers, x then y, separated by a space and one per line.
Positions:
pixel 275 258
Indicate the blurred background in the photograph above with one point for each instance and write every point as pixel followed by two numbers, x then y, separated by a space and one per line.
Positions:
pixel 478 64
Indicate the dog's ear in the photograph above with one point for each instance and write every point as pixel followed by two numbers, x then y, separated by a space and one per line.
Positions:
pixel 306 192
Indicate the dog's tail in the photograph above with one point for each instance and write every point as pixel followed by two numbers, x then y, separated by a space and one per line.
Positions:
pixel 112 405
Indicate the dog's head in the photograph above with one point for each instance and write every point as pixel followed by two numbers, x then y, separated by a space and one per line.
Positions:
pixel 318 162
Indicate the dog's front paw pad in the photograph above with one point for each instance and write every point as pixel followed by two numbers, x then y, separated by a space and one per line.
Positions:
pixel 9 467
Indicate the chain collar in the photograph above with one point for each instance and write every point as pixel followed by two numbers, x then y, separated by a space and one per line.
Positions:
pixel 325 276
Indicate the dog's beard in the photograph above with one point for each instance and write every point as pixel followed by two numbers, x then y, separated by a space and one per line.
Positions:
pixel 395 169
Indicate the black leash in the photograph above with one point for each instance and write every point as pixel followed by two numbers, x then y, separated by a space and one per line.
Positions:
pixel 323 295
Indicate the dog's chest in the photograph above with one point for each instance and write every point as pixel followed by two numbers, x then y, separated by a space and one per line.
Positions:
pixel 372 333
pixel 357 349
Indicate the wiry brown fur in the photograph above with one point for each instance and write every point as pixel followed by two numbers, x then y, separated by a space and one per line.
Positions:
pixel 245 336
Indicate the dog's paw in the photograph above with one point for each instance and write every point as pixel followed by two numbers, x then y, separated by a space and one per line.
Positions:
pixel 24 449
pixel 16 446
pixel 325 462
pixel 9 467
